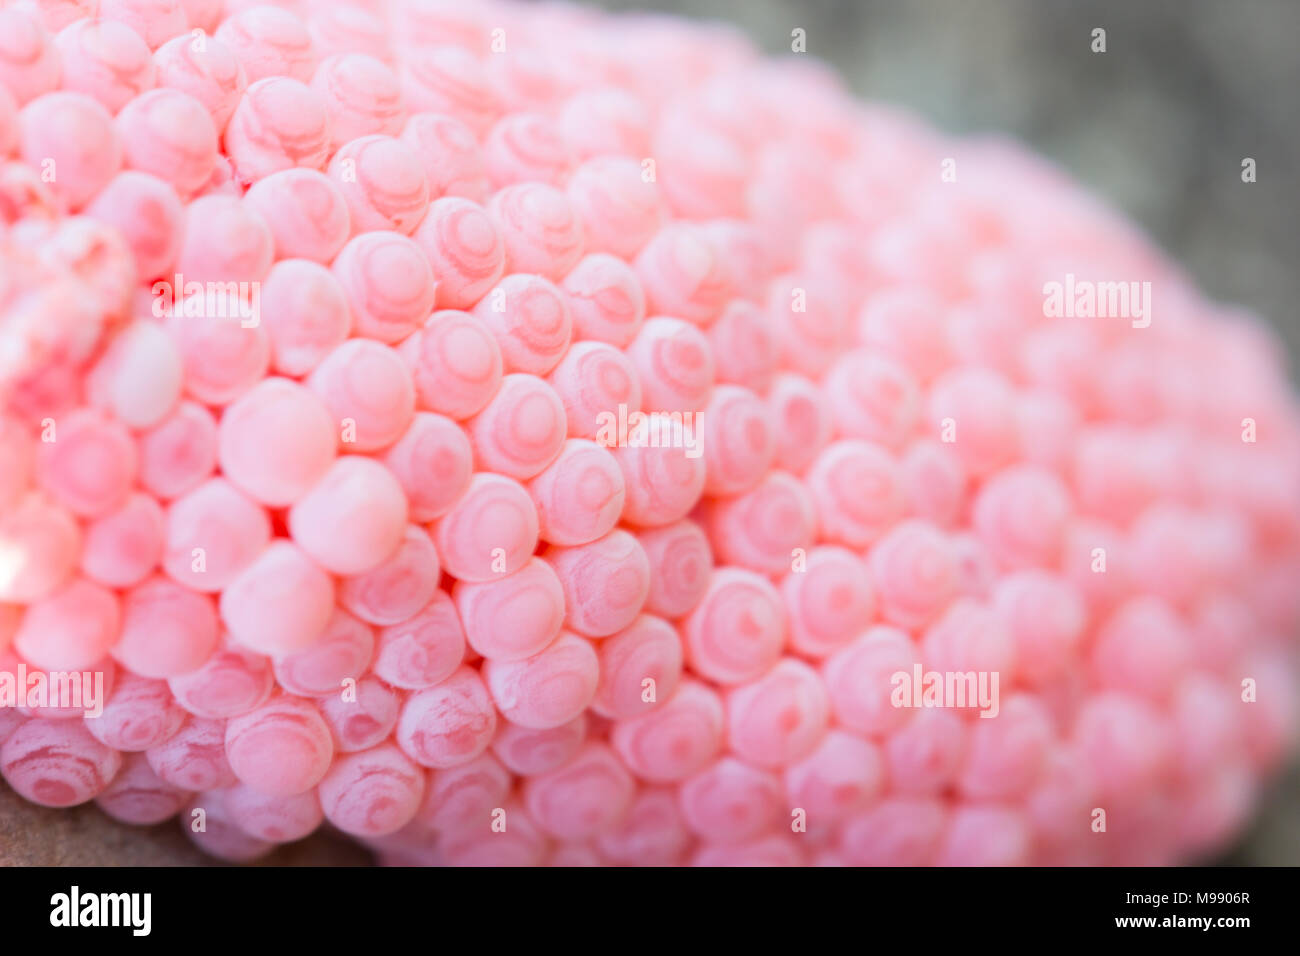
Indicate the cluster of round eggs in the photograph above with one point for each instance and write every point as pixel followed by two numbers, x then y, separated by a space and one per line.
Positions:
pixel 513 434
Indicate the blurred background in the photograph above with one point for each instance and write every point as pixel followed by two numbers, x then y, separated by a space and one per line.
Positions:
pixel 1158 124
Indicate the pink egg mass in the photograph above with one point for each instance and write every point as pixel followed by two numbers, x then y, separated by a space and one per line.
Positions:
pixel 572 449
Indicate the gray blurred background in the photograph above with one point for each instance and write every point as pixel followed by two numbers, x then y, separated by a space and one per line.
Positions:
pixel 1159 124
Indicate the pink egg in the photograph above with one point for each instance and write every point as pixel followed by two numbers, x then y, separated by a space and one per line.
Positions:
pixel 448 724
pixel 105 59
pixel 979 404
pixel 584 798
pixel 71 629
pixel 1045 617
pixel 521 430
pixel 490 532
pixel 859 679
pixel 179 452
pixel 731 802
pixel 464 248
pixel 341 654
pixel 205 68
pixel 779 718
pixel 985 836
pixel 148 214
pixel 139 714
pixel 213 533
pixel 873 398
pixel 455 362
pixel 801 421
pixel 513 617
pixel 593 380
pixel 620 208
pixel 372 792
pixel 206 822
pixel 674 364
pixel 280 603
pixel 137 795
pixel 384 183
pixel 769 851
pixel 432 461
pixel 744 349
pixel 528 751
pixel 166 629
pixel 540 228
pixel 839 778
pixel 305 314
pixel 653 832
pixel 830 601
pixel 856 492
pixel 361 94
pixel 57 763
pixel 388 283
pixel 530 320
pixel 269 41
pixel 1020 515
pixel 605 582
pixel 522 844
pixel 224 240
pixel 363 719
pixel 681 274
pixel 72 139
pixel 276 820
pixel 970 637
pixel 914 569
pixel 275 442
pixel 681 564
pixel 459 798
pixel 450 81
pixel 89 465
pixel 397 589
pixel 422 650
pixel 453 163
pixel 1142 648
pixel 169 134
pixel 549 689
pixel 353 518
pixel 663 478
pixel 280 749
pixel 306 212
pixel 30 62
pixel 122 547
pixel 674 740
pixel 766 528
pixel 640 666
pixel 193 758
pixel 279 123
pixel 935 482
pixel 222 354
pixel 604 120
pixel 605 299
pixel 368 390
pixel 811 333
pixel 231 682
pixel 346 29
pixel 525 148
pixel 155 20
pixel 579 496
pixel 896 832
